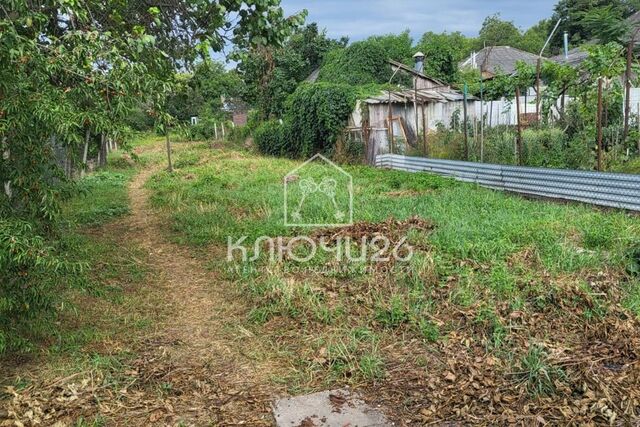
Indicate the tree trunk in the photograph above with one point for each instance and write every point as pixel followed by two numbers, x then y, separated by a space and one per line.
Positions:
pixel 102 158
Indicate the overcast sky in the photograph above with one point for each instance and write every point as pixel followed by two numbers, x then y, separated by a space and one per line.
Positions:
pixel 358 19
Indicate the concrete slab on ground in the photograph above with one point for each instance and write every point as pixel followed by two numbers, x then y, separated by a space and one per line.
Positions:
pixel 333 408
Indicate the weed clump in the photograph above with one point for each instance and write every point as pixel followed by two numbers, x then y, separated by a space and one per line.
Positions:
pixel 538 373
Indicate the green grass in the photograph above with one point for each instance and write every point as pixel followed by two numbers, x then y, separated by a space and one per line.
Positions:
pixel 103 195
pixel 238 194
pixel 490 260
pixel 537 373
pixel 94 304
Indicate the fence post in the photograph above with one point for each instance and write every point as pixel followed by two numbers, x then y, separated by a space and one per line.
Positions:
pixel 638 119
pixel 538 66
pixel 425 129
pixel 390 124
pixel 491 113
pixel 481 122
pixel 464 108
pixel 599 124
pixel 519 134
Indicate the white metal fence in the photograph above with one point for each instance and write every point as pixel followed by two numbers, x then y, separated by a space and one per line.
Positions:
pixel 597 188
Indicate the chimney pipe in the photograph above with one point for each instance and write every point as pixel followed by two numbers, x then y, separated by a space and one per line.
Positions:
pixel 419 61
pixel 566 45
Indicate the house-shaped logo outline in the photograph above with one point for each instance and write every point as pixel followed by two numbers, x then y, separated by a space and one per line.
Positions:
pixel 334 166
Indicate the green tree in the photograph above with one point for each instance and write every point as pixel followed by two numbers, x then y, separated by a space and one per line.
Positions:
pixel 534 38
pixel 201 93
pixel 443 52
pixel 365 62
pixel 68 67
pixel 605 24
pixel 272 74
pixel 497 32
pixel 578 15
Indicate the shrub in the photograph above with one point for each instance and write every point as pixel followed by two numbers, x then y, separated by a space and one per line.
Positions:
pixel 446 144
pixel 500 146
pixel 318 113
pixel 272 138
pixel 544 147
pixel 30 273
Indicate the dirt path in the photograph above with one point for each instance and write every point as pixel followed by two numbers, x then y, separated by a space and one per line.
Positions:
pixel 194 356
pixel 190 368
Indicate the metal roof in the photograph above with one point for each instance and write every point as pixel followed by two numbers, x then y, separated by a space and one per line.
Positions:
pixel 574 59
pixel 494 58
pixel 406 68
pixel 423 95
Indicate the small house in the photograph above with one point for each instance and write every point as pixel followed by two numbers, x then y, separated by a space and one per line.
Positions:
pixel 394 120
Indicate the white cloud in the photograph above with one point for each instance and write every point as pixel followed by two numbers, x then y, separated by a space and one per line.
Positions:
pixel 359 19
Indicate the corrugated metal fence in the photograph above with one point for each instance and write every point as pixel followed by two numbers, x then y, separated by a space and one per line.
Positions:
pixel 603 189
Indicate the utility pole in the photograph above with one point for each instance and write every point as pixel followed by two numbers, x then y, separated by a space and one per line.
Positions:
pixel 419 64
pixel 539 67
pixel 390 116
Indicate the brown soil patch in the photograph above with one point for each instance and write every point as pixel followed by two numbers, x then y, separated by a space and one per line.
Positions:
pixel 405 193
pixel 392 228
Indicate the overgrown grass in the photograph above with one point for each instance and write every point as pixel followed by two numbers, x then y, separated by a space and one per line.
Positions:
pixel 238 194
pixel 93 304
pixel 491 260
pixel 106 296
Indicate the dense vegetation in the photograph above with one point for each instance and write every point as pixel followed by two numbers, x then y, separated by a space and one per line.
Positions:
pixel 315 115
pixel 68 72
pixel 363 65
pixel 75 74
pixel 510 310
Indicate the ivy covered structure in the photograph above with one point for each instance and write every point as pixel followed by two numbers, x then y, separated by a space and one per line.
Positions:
pixel 393 120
